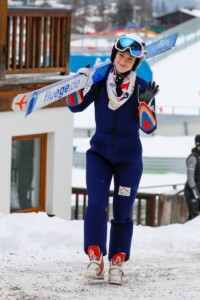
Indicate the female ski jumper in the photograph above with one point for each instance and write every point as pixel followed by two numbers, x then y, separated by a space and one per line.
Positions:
pixel 115 151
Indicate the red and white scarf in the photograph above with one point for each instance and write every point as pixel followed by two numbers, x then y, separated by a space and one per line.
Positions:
pixel 127 87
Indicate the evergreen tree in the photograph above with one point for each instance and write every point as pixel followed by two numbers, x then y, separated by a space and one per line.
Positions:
pixel 124 13
pixel 104 23
pixel 163 8
pixel 143 13
pixel 101 7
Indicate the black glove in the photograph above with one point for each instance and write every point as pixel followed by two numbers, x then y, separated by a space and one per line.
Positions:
pixel 149 93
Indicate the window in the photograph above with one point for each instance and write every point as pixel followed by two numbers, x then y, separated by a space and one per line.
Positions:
pixel 28 170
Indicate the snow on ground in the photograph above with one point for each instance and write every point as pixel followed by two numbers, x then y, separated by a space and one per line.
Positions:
pixel 42 258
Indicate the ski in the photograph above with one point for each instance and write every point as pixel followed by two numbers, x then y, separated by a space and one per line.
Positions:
pixel 42 97
pixel 161 45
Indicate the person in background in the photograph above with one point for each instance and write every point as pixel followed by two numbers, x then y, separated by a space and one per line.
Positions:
pixel 192 186
pixel 124 103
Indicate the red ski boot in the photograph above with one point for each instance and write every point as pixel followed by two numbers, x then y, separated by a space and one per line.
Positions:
pixel 95 268
pixel 116 272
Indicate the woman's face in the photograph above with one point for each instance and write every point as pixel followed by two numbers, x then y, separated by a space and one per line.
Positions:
pixel 124 62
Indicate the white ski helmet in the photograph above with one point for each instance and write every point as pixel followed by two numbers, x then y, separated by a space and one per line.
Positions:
pixel 132 43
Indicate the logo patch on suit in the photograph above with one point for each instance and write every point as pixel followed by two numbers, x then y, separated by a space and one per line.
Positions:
pixel 124 191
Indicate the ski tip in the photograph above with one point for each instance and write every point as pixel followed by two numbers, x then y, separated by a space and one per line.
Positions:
pixel 31 104
pixel 173 38
pixel 19 103
pixel 176 35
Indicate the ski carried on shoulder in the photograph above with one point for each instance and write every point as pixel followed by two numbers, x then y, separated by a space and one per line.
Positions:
pixel 37 99
pixel 44 96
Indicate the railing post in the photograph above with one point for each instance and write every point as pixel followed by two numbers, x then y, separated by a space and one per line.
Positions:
pixel 3 37
pixel 84 205
pixel 151 211
pixel 139 212
pixel 77 206
pixel 173 210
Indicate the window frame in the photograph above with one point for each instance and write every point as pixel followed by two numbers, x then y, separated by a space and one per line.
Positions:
pixel 43 164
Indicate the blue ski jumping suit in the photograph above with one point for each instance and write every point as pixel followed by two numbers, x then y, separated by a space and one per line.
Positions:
pixel 115 151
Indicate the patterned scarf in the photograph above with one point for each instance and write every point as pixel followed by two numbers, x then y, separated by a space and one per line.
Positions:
pixel 127 87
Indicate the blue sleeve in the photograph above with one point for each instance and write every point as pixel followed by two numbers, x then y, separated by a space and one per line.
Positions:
pixel 88 98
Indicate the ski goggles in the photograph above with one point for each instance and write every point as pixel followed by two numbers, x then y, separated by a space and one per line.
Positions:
pixel 124 43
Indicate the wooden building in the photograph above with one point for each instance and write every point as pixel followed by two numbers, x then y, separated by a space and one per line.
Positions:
pixel 173 19
pixel 36 151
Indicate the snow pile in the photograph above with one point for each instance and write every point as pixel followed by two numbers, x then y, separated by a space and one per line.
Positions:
pixel 42 258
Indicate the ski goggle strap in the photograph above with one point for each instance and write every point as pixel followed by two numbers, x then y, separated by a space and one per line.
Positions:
pixel 124 43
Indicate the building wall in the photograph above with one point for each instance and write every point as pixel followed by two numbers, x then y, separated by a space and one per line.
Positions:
pixel 58 124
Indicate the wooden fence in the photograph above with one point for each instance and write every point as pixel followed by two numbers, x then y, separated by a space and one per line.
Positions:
pixel 149 209
pixel 37 40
